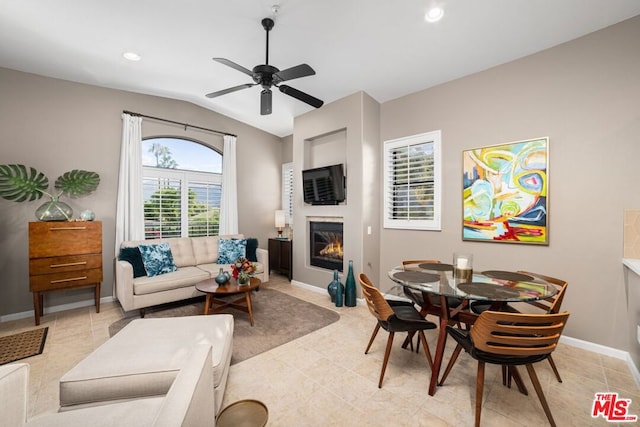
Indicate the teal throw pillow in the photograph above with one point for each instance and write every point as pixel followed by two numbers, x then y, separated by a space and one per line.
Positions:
pixel 252 246
pixel 157 259
pixel 132 256
pixel 231 249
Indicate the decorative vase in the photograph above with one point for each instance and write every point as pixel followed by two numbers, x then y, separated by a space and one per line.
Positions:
pixel 339 294
pixel 222 277
pixel 87 215
pixel 350 288
pixel 333 286
pixel 54 210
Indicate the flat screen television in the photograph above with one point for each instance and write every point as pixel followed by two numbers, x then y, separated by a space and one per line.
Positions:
pixel 324 185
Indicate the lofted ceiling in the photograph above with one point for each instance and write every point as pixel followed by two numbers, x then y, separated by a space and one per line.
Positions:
pixel 382 47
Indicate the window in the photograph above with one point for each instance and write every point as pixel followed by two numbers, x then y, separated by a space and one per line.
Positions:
pixel 412 182
pixel 287 192
pixel 182 186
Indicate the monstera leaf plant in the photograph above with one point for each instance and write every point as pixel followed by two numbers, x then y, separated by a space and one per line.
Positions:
pixel 20 183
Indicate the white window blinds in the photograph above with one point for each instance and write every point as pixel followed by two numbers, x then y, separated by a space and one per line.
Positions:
pixel 412 182
pixel 287 192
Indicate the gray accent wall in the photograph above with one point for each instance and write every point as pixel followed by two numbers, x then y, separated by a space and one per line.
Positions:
pixel 585 96
pixel 55 126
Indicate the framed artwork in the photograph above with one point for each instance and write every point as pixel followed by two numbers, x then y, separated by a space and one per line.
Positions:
pixel 505 193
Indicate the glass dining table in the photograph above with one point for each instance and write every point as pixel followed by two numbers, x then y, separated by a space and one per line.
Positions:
pixel 495 287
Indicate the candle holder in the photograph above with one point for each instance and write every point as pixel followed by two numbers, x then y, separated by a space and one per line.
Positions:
pixel 462 266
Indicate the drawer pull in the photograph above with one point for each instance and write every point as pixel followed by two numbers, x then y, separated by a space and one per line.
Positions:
pixel 68 280
pixel 69 264
pixel 67 228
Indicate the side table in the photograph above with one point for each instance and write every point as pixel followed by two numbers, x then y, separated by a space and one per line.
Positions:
pixel 281 256
pixel 244 413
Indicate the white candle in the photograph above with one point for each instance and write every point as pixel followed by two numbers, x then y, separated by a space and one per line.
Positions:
pixel 462 263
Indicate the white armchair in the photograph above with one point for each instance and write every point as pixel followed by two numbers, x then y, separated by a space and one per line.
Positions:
pixel 189 402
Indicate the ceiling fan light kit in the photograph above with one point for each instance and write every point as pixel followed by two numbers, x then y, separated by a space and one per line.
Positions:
pixel 267 76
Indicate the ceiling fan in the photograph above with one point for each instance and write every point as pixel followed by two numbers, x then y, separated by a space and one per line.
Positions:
pixel 267 75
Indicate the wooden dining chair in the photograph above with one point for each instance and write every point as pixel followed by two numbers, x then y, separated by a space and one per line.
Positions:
pixel 393 318
pixel 549 305
pixel 508 339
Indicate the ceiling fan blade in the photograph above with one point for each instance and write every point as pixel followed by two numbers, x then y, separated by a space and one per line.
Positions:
pixel 233 65
pixel 229 90
pixel 265 102
pixel 301 96
pixel 302 70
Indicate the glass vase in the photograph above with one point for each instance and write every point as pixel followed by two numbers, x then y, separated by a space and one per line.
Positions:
pixel 54 210
pixel 333 286
pixel 350 288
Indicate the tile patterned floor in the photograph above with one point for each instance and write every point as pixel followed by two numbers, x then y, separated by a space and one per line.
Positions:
pixel 325 378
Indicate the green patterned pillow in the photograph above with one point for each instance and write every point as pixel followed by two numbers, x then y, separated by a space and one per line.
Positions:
pixel 231 249
pixel 157 259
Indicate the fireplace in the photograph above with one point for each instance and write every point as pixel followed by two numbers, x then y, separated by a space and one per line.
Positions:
pixel 325 245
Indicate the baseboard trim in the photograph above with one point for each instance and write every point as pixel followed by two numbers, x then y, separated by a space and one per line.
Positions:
pixel 573 342
pixel 55 309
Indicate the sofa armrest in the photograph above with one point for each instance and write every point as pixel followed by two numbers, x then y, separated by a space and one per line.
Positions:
pixel 124 284
pixel 14 383
pixel 191 400
pixel 263 258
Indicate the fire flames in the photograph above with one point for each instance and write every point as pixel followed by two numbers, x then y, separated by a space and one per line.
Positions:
pixel 333 250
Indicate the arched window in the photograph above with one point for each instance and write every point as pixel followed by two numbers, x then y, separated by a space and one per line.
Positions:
pixel 182 184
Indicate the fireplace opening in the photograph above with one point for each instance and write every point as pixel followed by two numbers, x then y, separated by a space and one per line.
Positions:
pixel 325 245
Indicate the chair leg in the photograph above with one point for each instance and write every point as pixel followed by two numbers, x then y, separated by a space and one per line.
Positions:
pixel 538 388
pixel 479 391
pixel 425 345
pixel 387 352
pixel 504 375
pixel 373 337
pixel 452 361
pixel 555 370
pixel 513 373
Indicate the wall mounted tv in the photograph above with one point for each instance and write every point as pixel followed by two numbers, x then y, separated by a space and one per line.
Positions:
pixel 324 186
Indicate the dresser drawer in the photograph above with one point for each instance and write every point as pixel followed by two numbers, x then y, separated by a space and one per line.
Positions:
pixel 69 279
pixel 64 263
pixel 53 239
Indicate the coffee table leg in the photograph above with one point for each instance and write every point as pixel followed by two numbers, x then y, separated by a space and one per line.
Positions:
pixel 207 304
pixel 249 306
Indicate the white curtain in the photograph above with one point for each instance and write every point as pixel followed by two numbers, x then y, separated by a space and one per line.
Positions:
pixel 129 205
pixel 229 202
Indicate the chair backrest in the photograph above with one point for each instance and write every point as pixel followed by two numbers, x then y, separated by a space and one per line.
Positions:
pixel 376 303
pixel 518 334
pixel 413 264
pixel 549 305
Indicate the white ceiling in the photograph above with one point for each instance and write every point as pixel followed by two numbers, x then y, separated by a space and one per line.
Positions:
pixel 382 47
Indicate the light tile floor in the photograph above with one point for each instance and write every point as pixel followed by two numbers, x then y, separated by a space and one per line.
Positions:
pixel 325 378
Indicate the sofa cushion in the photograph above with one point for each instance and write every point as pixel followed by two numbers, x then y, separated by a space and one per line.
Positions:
pixel 144 358
pixel 205 249
pixel 132 256
pixel 157 259
pixel 184 277
pixel 231 249
pixel 252 246
pixel 182 251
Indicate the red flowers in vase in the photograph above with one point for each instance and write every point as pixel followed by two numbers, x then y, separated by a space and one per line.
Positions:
pixel 242 269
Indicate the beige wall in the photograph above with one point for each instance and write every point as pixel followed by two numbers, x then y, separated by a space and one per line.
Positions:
pixel 56 126
pixel 585 96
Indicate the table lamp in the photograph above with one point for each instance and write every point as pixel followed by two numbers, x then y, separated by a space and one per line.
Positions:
pixel 280 222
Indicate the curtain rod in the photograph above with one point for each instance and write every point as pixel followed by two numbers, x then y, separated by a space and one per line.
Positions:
pixel 186 125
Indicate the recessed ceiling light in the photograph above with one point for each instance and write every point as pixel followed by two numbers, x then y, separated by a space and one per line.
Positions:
pixel 131 56
pixel 434 14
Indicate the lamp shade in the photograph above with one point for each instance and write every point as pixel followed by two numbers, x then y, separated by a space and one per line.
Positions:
pixel 280 219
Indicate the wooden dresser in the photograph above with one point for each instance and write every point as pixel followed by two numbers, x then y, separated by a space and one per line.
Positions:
pixel 64 255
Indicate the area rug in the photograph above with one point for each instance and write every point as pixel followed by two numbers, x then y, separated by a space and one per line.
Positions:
pixel 278 319
pixel 22 345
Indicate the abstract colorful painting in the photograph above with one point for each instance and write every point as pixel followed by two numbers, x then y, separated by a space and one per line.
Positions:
pixel 505 193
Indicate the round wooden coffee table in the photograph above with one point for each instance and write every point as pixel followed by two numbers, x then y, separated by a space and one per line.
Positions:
pixel 213 304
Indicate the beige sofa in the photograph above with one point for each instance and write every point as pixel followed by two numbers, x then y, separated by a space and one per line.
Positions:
pixel 188 402
pixel 196 259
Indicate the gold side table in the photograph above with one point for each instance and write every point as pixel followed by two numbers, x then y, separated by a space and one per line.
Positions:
pixel 244 413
